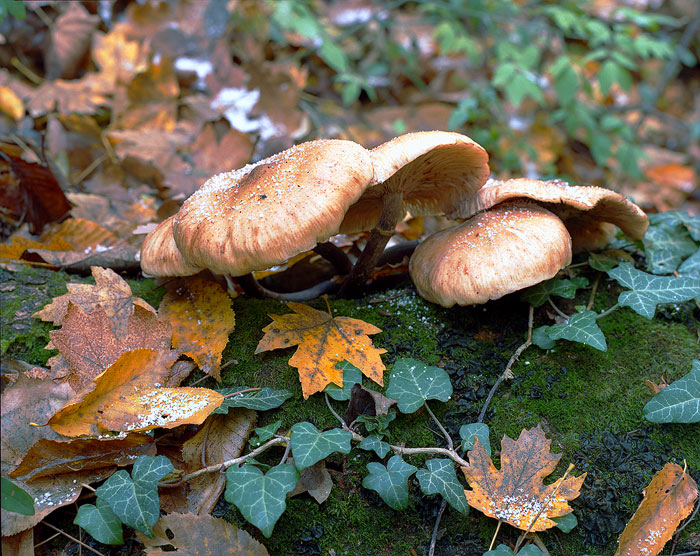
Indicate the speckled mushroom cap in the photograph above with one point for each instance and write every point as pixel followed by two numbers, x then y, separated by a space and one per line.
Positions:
pixel 589 213
pixel 265 213
pixel 513 246
pixel 433 169
pixel 160 256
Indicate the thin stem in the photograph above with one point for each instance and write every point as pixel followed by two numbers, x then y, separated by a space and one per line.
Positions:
pixel 594 289
pixel 450 445
pixel 241 392
pixel 81 543
pixel 606 313
pixel 495 534
pixel 52 537
pixel 433 540
pixel 286 452
pixel 557 309
pixel 330 407
pixel 507 373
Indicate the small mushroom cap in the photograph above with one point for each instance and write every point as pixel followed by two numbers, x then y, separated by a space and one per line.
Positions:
pixel 267 212
pixel 159 254
pixel 432 169
pixel 588 212
pixel 496 252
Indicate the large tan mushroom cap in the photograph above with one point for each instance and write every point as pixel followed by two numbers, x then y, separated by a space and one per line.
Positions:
pixel 432 169
pixel 490 255
pixel 588 212
pixel 265 213
pixel 160 256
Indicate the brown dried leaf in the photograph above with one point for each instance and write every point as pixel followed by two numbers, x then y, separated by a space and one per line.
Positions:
pixel 55 457
pixel 668 499
pixel 19 245
pixel 89 345
pixel 200 313
pixel 21 544
pixel 83 96
pixel 516 494
pixel 141 368
pixel 11 104
pixel 70 41
pixel 324 341
pixel 316 480
pixel 200 535
pixel 364 401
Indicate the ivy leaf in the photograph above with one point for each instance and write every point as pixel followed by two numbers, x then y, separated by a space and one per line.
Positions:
pixel 135 499
pixel 101 522
pixel 439 477
pixel 412 383
pixel 260 400
pixel 504 550
pixel 648 291
pixel 679 402
pixel 351 376
pixel 16 499
pixel 379 423
pixel 541 339
pixel 468 433
pixel 566 523
pixel 666 248
pixel 309 445
pixel 673 218
pixel 538 295
pixel 390 482
pixel 691 266
pixel 265 433
pixel 581 327
pixel 374 442
pixel 261 498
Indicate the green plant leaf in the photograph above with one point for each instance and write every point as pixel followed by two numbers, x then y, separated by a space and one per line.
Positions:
pixel 538 295
pixel 500 550
pixel 135 498
pixel 648 290
pixel 16 499
pixel 666 247
pixel 601 146
pixel 679 402
pixel 374 442
pixel 520 87
pixel 672 218
pixel 412 383
pixel 691 266
pixel 333 56
pixel 608 75
pixel 263 434
pixel 541 339
pixel 602 261
pixel 566 85
pixel 379 424
pixel 351 376
pixel 260 400
pixel 309 445
pixel 566 522
pixel 101 522
pixel 475 430
pixel 581 327
pixel 439 477
pixel 390 482
pixel 261 497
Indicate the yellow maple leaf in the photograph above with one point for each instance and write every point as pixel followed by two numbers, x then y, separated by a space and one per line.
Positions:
pixel 323 341
pixel 516 494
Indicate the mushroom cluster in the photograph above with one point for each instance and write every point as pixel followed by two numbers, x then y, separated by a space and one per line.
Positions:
pixel 514 233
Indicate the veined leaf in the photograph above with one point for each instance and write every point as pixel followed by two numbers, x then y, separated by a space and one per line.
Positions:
pixel 469 433
pixel 16 499
pixel 538 295
pixel 351 376
pixel 101 522
pixel 679 402
pixel 439 477
pixel 309 445
pixel 581 327
pixel 390 482
pixel 260 400
pixel 412 383
pixel 374 442
pixel 666 248
pixel 648 291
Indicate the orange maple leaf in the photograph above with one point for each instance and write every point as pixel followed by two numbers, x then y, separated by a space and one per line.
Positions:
pixel 668 500
pixel 516 493
pixel 323 341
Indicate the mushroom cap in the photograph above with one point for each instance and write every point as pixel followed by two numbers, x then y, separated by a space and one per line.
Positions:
pixel 159 254
pixel 496 252
pixel 432 169
pixel 588 212
pixel 263 214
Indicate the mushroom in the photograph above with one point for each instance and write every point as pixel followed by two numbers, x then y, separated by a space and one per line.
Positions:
pixel 160 256
pixel 424 173
pixel 513 246
pixel 588 212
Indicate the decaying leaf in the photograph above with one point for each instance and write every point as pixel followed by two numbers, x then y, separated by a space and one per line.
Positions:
pixel 19 245
pixel 516 494
pixel 668 499
pixel 316 480
pixel 200 535
pixel 202 319
pixel 323 341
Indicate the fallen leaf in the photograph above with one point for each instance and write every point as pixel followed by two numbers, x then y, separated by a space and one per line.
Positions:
pixel 71 35
pixel 516 493
pixel 11 104
pixel 89 345
pixel 676 176
pixel 200 535
pixel 323 341
pixel 21 544
pixel 19 245
pixel 141 368
pixel 668 499
pixel 316 480
pixel 364 401
pixel 201 317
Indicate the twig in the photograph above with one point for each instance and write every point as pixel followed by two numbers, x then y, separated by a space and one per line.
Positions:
pixel 330 407
pixel 52 537
pixel 606 313
pixel 433 540
pixel 557 309
pixel 594 289
pixel 450 445
pixel 495 534
pixel 24 70
pixel 81 543
pixel 507 373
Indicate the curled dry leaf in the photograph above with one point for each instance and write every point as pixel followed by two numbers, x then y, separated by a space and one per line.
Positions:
pixel 668 500
pixel 516 494
pixel 19 246
pixel 202 319
pixel 323 341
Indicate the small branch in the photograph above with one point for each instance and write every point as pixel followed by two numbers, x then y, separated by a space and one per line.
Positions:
pixel 433 540
pixel 606 313
pixel 330 407
pixel 557 309
pixel 81 543
pixel 450 445
pixel 507 373
pixel 594 289
pixel 495 534
pixel 286 452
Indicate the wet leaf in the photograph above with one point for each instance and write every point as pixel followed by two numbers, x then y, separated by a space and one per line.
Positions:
pixel 516 494
pixel 309 445
pixel 666 248
pixel 439 477
pixel 364 401
pixel 668 499
pixel 678 402
pixel 315 480
pixel 412 383
pixel 390 482
pixel 202 319
pixel 261 497
pixel 324 341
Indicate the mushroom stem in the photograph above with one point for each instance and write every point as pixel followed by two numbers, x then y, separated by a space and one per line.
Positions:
pixel 254 288
pixel 392 212
pixel 397 253
pixel 336 256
